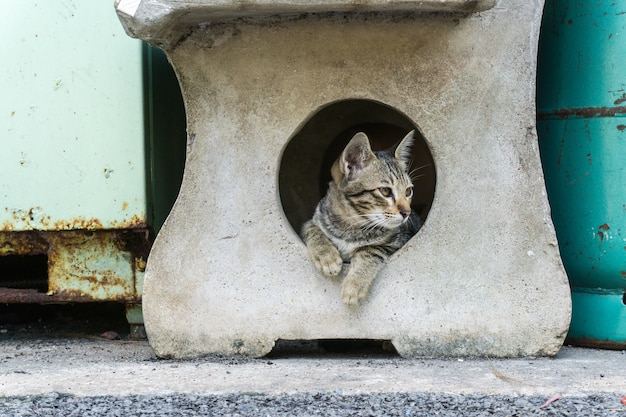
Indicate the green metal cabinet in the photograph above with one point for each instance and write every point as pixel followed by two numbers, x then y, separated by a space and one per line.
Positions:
pixel 91 153
pixel 581 98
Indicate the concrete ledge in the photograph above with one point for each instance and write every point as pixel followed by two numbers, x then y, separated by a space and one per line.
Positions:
pixel 100 368
pixel 164 22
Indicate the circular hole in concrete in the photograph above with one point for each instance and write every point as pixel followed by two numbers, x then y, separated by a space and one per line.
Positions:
pixel 306 161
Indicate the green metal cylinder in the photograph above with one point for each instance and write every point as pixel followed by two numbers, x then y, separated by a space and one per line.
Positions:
pixel 581 101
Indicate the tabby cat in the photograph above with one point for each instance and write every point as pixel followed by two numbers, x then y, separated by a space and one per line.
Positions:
pixel 365 215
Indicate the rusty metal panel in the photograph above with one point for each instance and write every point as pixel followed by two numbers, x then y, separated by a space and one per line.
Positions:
pixel 89 263
pixel 83 265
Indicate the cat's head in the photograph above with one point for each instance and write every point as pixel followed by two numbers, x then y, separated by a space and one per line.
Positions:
pixel 376 184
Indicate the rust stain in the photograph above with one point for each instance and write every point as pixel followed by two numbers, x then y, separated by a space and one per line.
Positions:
pixel 22 243
pixel 102 280
pixel 83 265
pixel 87 262
pixel 35 218
pixel 26 215
pixel 596 343
pixel 78 223
pixel 140 264
pixel 30 296
pixel 7 226
pixel 584 112
pixel 135 222
pixel 137 242
pixel 604 227
pixel 623 274
pixel 620 100
pixel 621 128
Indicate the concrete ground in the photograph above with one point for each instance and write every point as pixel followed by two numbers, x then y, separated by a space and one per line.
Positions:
pixel 36 360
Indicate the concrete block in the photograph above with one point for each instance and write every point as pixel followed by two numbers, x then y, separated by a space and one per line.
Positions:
pixel 228 273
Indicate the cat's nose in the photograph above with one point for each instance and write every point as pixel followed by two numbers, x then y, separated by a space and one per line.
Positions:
pixel 405 213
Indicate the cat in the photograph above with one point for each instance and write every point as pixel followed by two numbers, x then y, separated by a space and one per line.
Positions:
pixel 365 215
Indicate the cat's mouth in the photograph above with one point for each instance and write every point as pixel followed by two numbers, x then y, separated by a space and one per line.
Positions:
pixel 397 222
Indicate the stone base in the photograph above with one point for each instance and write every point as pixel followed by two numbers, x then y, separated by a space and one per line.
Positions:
pixel 228 273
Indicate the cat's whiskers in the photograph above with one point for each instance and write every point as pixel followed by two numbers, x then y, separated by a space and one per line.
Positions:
pixel 365 222
pixel 410 220
pixel 376 221
pixel 362 218
pixel 417 177
pixel 420 168
pixel 414 171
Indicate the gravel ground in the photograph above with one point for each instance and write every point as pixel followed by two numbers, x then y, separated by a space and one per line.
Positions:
pixel 56 362
pixel 327 405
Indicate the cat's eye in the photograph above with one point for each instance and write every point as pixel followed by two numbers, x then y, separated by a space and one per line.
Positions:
pixel 409 192
pixel 385 191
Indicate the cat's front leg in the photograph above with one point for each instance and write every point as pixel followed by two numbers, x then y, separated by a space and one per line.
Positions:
pixel 364 267
pixel 323 252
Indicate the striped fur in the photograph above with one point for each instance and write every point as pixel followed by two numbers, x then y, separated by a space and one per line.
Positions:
pixel 364 217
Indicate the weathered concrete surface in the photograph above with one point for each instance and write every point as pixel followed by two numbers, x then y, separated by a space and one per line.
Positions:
pixel 165 22
pixel 228 274
pixel 85 367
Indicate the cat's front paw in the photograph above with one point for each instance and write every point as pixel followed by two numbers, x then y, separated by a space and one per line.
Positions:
pixel 354 290
pixel 328 261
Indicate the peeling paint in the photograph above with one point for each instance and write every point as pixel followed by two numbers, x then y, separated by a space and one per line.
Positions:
pixel 22 243
pixel 34 218
pixel 583 112
pixel 78 223
pixel 135 222
pixel 596 343
pixel 82 265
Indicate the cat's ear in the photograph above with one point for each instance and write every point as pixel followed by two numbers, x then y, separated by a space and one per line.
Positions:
pixel 403 149
pixel 356 156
